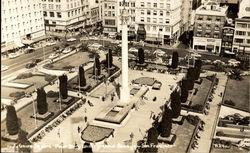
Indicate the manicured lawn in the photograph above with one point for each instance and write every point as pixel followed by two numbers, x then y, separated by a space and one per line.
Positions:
pixel 27 123
pixel 71 61
pixel 95 133
pixel 90 80
pixel 37 81
pixel 183 136
pixel 238 92
pixel 203 91
pixel 145 81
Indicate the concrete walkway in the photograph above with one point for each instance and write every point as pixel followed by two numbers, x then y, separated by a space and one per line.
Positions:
pixel 211 119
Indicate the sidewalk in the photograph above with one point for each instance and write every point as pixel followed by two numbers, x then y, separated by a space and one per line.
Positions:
pixel 211 119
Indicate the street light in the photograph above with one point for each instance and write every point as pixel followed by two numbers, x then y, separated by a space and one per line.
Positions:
pixel 34 108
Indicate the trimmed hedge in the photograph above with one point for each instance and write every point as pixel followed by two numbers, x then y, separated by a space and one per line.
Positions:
pixel 24 75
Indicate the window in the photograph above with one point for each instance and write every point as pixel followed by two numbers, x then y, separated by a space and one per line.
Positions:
pixel 248 41
pixel 142 19
pixel 148 12
pixel 132 4
pixel 155 13
pixel 248 33
pixel 199 26
pixel 113 13
pixel 168 7
pixel 216 36
pixel 160 29
pixel 238 40
pixel 148 19
pixel 142 12
pixel 208 27
pixel 167 13
pixel 148 28
pixel 241 33
pixel 154 20
pixel 161 5
pixel 167 21
pixel 51 14
pixel 161 13
pixel 154 28
pixel 58 0
pixel 167 29
pixel 133 18
pixel 148 4
pixel 200 18
pixel 155 5
pixel 105 5
pixel 58 7
pixel 59 14
pixel 68 14
pixel 207 35
pixel 142 4
pixel 51 6
pixel 109 22
pixel 44 13
pixel 160 20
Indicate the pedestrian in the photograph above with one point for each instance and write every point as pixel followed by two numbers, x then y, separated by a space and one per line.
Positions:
pixel 112 98
pixel 85 119
pixel 151 115
pixel 112 133
pixel 76 146
pixel 79 129
pixel 221 94
pixel 85 110
pixel 131 135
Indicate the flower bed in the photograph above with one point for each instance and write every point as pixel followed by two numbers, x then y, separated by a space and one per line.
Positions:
pixel 96 133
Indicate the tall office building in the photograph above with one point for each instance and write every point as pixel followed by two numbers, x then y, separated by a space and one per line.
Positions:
pixel 241 44
pixel 22 20
pixel 63 16
pixel 210 19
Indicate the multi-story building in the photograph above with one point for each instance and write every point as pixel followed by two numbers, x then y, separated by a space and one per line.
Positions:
pixel 210 19
pixel 161 19
pixel 109 17
pixel 131 10
pixel 241 44
pixel 95 12
pixel 227 38
pixel 62 16
pixel 20 20
pixel 151 20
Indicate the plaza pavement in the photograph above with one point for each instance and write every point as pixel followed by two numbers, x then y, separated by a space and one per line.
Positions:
pixel 137 122
pixel 211 119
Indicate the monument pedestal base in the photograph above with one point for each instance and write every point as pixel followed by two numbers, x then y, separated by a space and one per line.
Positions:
pixel 169 140
pixel 43 117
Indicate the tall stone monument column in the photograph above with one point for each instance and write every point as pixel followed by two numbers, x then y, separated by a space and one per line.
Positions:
pixel 125 88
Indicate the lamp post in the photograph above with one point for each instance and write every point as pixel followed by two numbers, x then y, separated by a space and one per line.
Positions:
pixel 34 109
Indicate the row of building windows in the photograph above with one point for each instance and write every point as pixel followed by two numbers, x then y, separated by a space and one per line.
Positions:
pixel 242 25
pixel 155 5
pixel 12 19
pixel 208 27
pixel 130 11
pixel 209 18
pixel 242 33
pixel 16 10
pixel 52 14
pixel 154 28
pixel 132 4
pixel 15 34
pixel 109 6
pixel 208 35
pixel 51 7
pixel 238 40
pixel 154 20
pixel 52 1
pixel 154 12
pixel 109 13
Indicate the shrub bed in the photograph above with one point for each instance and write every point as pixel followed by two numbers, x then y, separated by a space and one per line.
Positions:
pixel 50 78
pixel 24 75
pixel 17 95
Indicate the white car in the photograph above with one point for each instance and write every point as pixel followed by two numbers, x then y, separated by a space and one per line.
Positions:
pixel 132 49
pixel 233 62
pixel 66 51
pixel 50 43
pixel 71 39
pixel 54 55
pixel 13 55
pixel 4 68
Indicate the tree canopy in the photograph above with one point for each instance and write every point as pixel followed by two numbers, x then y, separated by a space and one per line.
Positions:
pixel 141 55
pixel 11 120
pixel 42 105
pixel 82 76
pixel 63 86
pixel 175 103
pixel 175 60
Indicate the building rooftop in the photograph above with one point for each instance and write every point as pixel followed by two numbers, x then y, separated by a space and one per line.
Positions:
pixel 212 8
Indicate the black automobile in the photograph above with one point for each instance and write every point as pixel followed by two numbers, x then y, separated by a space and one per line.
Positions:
pixel 37 60
pixel 30 65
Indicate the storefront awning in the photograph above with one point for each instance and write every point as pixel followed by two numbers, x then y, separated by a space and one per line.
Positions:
pixel 210 46
pixel 9 47
pixel 28 42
